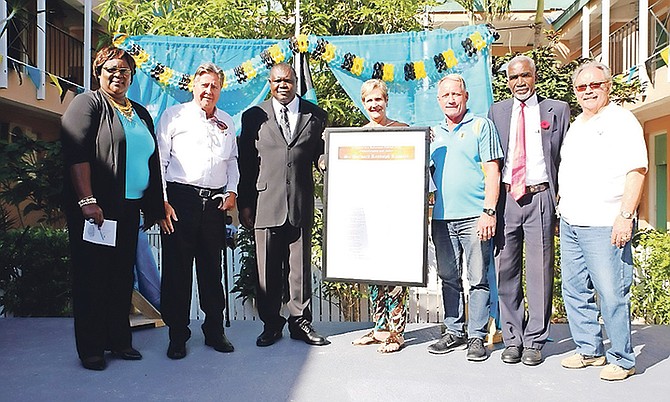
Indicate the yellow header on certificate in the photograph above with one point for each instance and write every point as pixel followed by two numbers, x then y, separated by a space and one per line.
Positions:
pixel 376 152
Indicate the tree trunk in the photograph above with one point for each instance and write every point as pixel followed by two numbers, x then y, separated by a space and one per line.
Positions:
pixel 539 18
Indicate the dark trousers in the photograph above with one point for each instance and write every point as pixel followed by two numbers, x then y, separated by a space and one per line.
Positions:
pixel 283 252
pixel 200 234
pixel 102 284
pixel 531 221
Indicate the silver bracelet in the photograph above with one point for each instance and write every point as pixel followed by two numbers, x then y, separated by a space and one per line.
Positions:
pixel 87 201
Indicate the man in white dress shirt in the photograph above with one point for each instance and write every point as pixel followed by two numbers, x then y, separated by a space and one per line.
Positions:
pixel 198 153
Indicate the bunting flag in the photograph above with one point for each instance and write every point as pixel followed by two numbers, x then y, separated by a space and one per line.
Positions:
pixel 65 87
pixel 664 54
pixel 35 75
pixel 411 63
pixel 62 85
pixel 55 81
pixel 17 67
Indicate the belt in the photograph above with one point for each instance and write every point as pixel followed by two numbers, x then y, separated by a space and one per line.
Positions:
pixel 202 192
pixel 533 188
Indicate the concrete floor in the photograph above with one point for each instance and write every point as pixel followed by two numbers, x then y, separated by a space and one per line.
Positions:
pixel 38 362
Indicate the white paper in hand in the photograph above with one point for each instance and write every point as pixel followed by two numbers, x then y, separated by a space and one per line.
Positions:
pixel 104 235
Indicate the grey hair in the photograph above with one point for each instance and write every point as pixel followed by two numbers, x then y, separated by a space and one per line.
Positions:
pixel 521 58
pixel 454 77
pixel 209 67
pixel 593 64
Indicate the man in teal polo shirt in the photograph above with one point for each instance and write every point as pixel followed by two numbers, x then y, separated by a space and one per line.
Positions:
pixel 465 153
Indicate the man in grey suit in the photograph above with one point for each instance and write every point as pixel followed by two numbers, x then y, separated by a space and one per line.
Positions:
pixel 531 132
pixel 280 142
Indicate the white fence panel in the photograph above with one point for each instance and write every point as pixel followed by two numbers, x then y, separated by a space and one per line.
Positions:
pixel 425 304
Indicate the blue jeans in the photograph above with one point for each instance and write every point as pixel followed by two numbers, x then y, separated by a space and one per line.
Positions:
pixel 455 239
pixel 590 264
pixel 147 277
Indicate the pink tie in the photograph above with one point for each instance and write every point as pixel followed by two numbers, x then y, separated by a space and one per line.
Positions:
pixel 518 182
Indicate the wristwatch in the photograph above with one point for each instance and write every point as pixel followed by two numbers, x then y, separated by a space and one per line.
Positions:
pixel 489 211
pixel 626 215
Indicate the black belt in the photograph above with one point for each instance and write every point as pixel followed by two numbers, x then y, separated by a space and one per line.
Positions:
pixel 533 188
pixel 202 192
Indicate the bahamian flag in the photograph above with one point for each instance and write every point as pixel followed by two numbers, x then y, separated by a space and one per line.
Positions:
pixel 305 88
pixel 664 55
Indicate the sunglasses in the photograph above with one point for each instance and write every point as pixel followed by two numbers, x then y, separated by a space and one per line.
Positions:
pixel 593 86
pixel 114 70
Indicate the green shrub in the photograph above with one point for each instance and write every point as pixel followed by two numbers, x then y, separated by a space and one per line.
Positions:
pixel 558 307
pixel 650 297
pixel 35 273
pixel 245 280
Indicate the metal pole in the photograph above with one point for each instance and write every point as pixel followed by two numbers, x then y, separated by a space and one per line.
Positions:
pixel 3 44
pixel 297 65
pixel 42 46
pixel 226 293
pixel 643 41
pixel 605 33
pixel 586 33
pixel 87 44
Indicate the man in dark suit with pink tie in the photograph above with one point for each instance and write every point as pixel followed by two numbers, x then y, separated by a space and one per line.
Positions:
pixel 531 131
pixel 281 141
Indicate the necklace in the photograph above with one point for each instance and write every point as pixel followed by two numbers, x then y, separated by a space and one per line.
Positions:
pixel 125 110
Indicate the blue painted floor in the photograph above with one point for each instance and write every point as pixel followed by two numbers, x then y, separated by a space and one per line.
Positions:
pixel 38 362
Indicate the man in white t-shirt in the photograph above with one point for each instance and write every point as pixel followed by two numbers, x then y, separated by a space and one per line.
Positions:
pixel 603 164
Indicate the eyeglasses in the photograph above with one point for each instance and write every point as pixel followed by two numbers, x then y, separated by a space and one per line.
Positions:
pixel 114 70
pixel 593 86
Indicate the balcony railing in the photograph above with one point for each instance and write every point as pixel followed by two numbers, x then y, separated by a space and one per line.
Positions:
pixel 64 53
pixel 624 44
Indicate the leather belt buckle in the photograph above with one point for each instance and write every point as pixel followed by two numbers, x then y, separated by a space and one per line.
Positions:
pixel 536 188
pixel 205 192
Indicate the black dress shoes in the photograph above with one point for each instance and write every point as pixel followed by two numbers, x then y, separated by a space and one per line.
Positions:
pixel 127 354
pixel 220 344
pixel 531 356
pixel 511 354
pixel 96 363
pixel 269 337
pixel 176 350
pixel 302 330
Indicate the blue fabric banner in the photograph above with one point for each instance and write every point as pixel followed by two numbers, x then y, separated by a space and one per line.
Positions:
pixel 415 101
pixel 185 55
pixel 411 63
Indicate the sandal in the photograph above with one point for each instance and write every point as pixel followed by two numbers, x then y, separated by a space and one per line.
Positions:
pixel 367 339
pixel 392 344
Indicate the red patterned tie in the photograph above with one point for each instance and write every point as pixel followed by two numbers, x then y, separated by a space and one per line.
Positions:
pixel 518 182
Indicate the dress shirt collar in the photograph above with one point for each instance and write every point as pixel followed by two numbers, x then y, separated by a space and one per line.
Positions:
pixel 198 110
pixel 292 106
pixel 530 102
pixel 466 118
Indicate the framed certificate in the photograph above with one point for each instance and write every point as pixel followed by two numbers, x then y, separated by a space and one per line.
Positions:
pixel 376 207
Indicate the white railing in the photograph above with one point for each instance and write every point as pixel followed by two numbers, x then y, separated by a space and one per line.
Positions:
pixel 425 304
